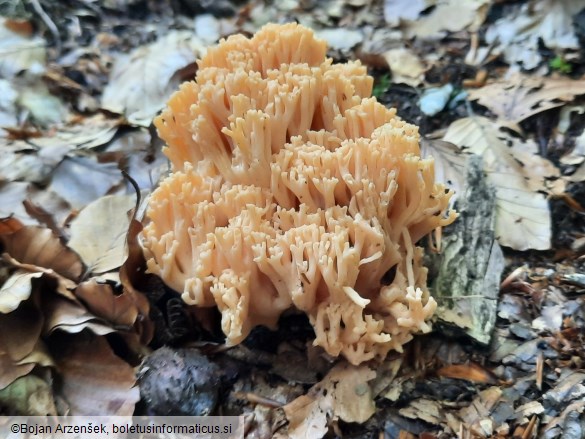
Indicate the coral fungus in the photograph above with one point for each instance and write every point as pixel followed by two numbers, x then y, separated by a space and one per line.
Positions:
pixel 293 188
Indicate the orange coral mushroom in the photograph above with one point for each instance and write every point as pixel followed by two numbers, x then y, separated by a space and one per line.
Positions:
pixel 293 188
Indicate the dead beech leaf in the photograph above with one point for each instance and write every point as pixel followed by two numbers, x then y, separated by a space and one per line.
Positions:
pixel 522 218
pixel 470 372
pixel 481 407
pixel 520 97
pixel 19 338
pixel 98 234
pixel 519 33
pixel 141 82
pixel 29 396
pixel 69 316
pixel 343 394
pixel 450 163
pixel 19 52
pixel 405 66
pixel 10 225
pixel 120 310
pixel 95 382
pixel 428 410
pixel 83 133
pixel 81 180
pixel 16 289
pixel 470 15
pixel 38 246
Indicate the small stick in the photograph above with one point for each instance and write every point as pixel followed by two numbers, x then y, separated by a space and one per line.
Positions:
pixel 48 22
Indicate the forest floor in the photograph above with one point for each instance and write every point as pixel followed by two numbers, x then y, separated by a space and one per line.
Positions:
pixel 80 83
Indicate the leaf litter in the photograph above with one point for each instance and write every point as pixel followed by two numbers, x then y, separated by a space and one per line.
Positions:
pixel 61 172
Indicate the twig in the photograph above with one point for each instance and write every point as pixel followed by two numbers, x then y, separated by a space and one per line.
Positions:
pixel 48 22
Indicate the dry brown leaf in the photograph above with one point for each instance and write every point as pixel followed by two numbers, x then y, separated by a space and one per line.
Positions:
pixel 120 310
pixel 19 336
pixel 520 97
pixel 38 246
pixel 141 82
pixel 69 316
pixel 343 394
pixel 522 217
pixel 470 372
pixel 131 276
pixel 95 382
pixel 10 225
pixel 98 234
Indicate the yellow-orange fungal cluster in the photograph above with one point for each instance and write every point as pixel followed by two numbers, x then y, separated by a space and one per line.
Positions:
pixel 293 188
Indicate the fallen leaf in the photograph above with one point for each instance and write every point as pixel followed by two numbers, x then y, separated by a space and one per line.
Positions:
pixel 8 111
pixel 425 409
pixel 341 38
pixel 396 11
pixel 38 246
pixel 518 34
pixel 45 108
pixel 81 180
pixel 98 234
pixel 19 52
pixel 470 372
pixel 120 310
pixel 16 289
pixel 522 217
pixel 71 317
pixel 406 67
pixel 19 337
pixel 343 394
pixel 94 381
pixel 520 96
pixel 470 15
pixel 141 82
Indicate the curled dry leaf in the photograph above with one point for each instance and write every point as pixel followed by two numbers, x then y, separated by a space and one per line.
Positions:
pixel 470 372
pixel 120 310
pixel 343 394
pixel 19 339
pixel 38 246
pixel 520 97
pixel 16 289
pixel 523 217
pixel 95 382
pixel 141 83
pixel 69 316
pixel 98 234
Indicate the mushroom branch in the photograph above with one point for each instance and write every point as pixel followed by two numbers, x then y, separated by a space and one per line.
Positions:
pixel 293 188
